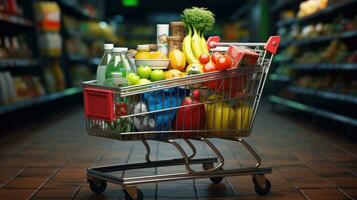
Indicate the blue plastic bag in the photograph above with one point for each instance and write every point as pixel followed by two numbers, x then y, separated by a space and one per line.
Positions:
pixel 164 99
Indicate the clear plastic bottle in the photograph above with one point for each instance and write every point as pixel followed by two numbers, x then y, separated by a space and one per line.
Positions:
pixel 129 65
pixel 115 74
pixel 101 69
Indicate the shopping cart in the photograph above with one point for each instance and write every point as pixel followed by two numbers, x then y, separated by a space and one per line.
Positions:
pixel 196 107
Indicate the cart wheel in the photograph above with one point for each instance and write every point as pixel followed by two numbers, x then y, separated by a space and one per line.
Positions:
pixel 97 186
pixel 207 166
pixel 140 195
pixel 262 191
pixel 216 179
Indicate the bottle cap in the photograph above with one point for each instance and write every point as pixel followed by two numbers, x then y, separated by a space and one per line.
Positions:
pixel 123 49
pixel 143 47
pixel 117 49
pixel 108 46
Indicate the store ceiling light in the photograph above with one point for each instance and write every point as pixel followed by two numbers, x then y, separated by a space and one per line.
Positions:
pixel 130 3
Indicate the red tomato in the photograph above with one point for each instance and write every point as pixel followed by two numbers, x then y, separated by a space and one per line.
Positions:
pixel 204 58
pixel 223 63
pixel 209 67
pixel 215 57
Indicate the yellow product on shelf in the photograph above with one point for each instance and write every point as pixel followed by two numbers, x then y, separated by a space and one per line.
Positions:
pixel 59 76
pixel 311 6
pixel 48 15
pixel 50 44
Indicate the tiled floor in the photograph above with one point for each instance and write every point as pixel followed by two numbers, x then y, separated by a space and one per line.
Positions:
pixel 49 161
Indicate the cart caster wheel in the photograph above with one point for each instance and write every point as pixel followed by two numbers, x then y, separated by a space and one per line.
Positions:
pixel 97 186
pixel 216 179
pixel 140 195
pixel 262 191
pixel 207 166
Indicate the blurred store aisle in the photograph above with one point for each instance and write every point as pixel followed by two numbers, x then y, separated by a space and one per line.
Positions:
pixel 49 161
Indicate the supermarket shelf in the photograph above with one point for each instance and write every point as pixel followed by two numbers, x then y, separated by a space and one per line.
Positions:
pixel 312 110
pixel 38 100
pixel 279 77
pixel 328 11
pixel 137 35
pixel 17 20
pixel 323 94
pixel 242 11
pixel 94 61
pixel 319 39
pixel 281 5
pixel 83 59
pixel 18 62
pixel 324 66
pixel 75 9
pixel 71 32
pixel 77 58
pixel 282 60
pixel 78 34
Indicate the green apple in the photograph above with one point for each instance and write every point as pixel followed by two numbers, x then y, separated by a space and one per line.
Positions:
pixel 133 78
pixel 157 75
pixel 144 71
pixel 143 81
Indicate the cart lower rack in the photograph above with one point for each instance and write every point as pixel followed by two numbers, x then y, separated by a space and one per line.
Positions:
pixel 196 107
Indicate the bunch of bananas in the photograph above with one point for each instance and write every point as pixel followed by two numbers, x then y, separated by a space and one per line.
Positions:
pixel 194 44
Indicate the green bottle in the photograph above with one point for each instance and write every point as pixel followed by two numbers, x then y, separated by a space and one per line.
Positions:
pixel 115 74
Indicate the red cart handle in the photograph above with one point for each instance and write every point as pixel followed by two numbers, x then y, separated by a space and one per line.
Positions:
pixel 272 44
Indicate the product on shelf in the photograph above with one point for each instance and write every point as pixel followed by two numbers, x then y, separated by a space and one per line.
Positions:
pixel 76 46
pixel 7 88
pixel 50 44
pixel 79 74
pixel 338 26
pixel 54 77
pixel 14 47
pixel 16 88
pixel 335 52
pixel 328 82
pixel 11 7
pixel 59 75
pixel 47 15
pixel 310 7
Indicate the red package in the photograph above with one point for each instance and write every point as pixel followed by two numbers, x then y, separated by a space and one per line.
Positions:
pixel 242 56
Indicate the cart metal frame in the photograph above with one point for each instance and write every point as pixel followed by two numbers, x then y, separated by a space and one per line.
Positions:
pixel 212 166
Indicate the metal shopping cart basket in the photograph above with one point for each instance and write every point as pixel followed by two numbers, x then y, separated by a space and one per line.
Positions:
pixel 197 107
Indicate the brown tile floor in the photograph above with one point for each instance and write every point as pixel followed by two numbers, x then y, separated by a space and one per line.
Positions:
pixel 48 161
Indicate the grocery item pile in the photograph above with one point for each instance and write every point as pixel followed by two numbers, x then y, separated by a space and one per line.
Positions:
pixel 177 56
